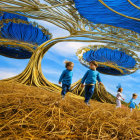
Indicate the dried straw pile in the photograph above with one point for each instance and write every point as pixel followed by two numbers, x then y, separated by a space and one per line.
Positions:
pixel 34 113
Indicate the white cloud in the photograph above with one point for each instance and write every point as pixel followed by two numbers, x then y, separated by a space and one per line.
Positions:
pixel 7 73
pixel 138 53
pixel 130 78
pixel 138 71
pixel 69 49
pixel 111 91
pixel 51 71
pixel 20 63
pixel 15 67
pixel 55 30
pixel 53 57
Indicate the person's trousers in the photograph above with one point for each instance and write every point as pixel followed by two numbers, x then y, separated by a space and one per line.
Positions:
pixel 89 90
pixel 118 103
pixel 65 89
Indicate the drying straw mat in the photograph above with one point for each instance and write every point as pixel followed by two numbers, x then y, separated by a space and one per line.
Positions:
pixel 32 113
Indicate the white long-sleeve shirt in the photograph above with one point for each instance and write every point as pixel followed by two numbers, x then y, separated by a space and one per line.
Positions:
pixel 119 96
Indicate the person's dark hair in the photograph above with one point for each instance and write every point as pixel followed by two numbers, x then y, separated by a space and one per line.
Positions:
pixel 94 63
pixel 119 89
pixel 134 94
pixel 68 63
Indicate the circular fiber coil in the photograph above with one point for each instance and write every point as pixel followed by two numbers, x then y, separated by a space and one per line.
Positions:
pixel 111 61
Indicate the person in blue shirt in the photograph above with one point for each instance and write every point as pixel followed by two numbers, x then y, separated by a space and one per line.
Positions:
pixel 66 77
pixel 132 102
pixel 90 78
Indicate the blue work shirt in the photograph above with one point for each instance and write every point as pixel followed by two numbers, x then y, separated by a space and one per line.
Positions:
pixel 90 77
pixel 132 103
pixel 66 77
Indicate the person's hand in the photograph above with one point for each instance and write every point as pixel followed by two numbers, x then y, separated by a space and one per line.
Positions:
pixel 59 82
pixel 123 99
pixel 82 85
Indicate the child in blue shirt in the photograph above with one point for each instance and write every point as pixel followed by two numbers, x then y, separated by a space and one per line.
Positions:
pixel 66 77
pixel 90 78
pixel 132 102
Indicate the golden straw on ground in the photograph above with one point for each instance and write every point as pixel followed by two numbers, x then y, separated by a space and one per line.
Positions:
pixel 28 112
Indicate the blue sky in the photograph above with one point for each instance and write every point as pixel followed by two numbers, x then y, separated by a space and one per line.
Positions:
pixel 53 65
